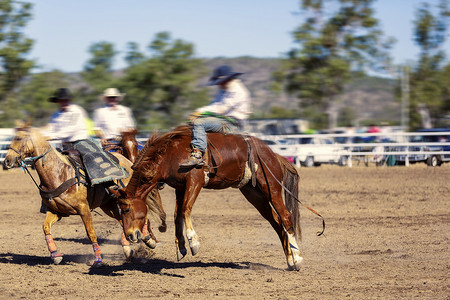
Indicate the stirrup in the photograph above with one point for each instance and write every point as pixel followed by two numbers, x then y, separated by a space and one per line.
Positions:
pixel 192 162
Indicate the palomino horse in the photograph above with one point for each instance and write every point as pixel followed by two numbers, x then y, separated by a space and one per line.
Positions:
pixel 61 190
pixel 232 161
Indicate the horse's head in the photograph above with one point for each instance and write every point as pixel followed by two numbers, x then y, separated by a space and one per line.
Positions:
pixel 21 146
pixel 130 144
pixel 133 212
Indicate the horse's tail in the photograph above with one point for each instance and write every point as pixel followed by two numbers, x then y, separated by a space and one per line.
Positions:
pixel 290 181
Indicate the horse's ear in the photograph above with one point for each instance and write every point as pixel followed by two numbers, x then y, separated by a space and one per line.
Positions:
pixel 122 193
pixel 19 123
pixel 119 194
pixel 27 123
pixel 23 124
pixel 115 193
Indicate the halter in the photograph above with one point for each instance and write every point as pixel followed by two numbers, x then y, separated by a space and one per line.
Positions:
pixel 22 161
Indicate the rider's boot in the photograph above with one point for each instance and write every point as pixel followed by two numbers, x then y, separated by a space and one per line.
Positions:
pixel 194 160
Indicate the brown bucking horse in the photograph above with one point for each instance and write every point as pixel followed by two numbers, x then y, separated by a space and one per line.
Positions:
pixel 129 147
pixel 60 188
pixel 238 161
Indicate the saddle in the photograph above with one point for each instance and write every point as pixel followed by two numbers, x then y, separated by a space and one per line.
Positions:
pixel 74 157
pixel 81 176
pixel 100 166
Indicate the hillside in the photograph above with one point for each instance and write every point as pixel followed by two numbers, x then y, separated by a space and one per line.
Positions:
pixel 371 98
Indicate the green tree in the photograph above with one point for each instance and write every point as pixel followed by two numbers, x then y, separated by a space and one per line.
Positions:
pixel 133 55
pixel 336 41
pixel 97 73
pixel 346 117
pixel 276 112
pixel 34 95
pixel 162 87
pixel 428 84
pixel 14 47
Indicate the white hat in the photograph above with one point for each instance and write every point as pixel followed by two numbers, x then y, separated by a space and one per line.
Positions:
pixel 113 92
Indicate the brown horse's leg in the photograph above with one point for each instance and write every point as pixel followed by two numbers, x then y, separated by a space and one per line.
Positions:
pixel 155 205
pixel 147 235
pixel 51 219
pixel 110 208
pixel 273 192
pixel 178 217
pixel 190 196
pixel 86 216
pixel 259 201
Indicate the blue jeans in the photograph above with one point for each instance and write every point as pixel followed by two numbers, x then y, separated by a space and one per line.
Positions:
pixel 208 124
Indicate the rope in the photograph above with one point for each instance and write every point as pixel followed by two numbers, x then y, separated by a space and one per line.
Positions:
pixel 290 193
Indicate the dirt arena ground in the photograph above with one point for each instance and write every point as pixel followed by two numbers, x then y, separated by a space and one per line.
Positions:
pixel 387 237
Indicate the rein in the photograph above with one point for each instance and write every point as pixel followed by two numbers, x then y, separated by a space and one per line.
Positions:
pixel 32 159
pixel 290 193
pixel 212 147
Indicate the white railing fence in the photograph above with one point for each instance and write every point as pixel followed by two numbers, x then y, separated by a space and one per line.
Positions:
pixel 381 144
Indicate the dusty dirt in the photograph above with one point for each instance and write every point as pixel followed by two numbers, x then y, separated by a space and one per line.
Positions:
pixel 387 237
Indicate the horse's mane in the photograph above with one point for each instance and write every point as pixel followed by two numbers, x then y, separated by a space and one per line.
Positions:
pixel 129 134
pixel 39 140
pixel 156 146
pixel 37 136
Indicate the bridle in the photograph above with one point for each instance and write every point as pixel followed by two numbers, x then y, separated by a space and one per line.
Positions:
pixel 23 160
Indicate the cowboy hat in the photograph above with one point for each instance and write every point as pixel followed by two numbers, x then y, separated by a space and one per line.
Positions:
pixel 113 93
pixel 61 94
pixel 222 74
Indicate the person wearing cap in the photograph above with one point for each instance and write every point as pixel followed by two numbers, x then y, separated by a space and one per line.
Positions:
pixel 68 123
pixel 225 113
pixel 113 118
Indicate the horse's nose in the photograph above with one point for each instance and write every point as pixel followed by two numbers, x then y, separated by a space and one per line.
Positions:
pixel 7 163
pixel 132 238
pixel 135 236
pixel 138 234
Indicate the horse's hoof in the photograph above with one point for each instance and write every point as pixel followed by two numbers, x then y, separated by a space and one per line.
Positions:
pixel 56 257
pixel 127 251
pixel 181 254
pixel 151 243
pixel 296 266
pixel 57 260
pixel 195 248
pixel 162 228
pixel 97 264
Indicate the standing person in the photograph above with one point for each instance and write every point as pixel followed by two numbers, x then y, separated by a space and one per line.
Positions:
pixel 68 124
pixel 112 118
pixel 224 114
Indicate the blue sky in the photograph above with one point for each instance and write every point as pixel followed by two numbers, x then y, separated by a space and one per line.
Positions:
pixel 63 30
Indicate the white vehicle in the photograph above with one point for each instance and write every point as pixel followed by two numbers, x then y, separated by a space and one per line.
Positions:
pixel 314 151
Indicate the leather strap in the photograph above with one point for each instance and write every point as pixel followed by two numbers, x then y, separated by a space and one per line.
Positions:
pixel 59 190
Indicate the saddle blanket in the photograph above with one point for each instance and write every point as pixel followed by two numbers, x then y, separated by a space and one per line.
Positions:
pixel 99 166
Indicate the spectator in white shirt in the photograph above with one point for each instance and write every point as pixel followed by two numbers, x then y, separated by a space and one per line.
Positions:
pixel 112 119
pixel 68 124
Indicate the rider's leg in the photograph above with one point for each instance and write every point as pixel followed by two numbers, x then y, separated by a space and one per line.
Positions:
pixel 199 140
